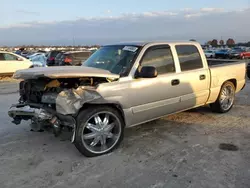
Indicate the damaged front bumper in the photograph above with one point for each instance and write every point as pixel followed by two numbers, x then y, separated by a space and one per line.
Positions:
pixel 26 112
pixel 38 112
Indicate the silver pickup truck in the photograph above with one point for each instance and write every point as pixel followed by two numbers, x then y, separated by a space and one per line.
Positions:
pixel 124 85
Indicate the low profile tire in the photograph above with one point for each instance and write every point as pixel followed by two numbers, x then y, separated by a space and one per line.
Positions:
pixel 100 130
pixel 225 100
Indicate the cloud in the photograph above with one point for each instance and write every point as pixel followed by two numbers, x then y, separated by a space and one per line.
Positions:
pixel 28 12
pixel 20 25
pixel 204 24
pixel 161 13
pixel 212 10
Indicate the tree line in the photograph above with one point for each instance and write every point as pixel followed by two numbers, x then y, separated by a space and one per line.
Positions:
pixel 230 42
pixel 215 42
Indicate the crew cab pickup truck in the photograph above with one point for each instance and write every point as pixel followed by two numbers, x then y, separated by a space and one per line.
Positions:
pixel 124 85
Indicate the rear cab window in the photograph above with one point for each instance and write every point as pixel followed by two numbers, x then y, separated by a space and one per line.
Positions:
pixel 159 57
pixel 189 57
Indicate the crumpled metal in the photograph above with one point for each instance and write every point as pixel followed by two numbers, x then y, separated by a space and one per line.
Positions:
pixel 71 100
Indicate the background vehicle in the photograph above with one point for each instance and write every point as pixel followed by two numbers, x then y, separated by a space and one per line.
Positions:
pixel 74 58
pixel 236 53
pixel 58 58
pixel 125 85
pixel 209 53
pixel 34 54
pixel 245 54
pixel 11 62
pixel 51 57
pixel 222 54
pixel 38 60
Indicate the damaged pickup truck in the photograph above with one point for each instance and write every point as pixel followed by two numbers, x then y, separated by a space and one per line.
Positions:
pixel 121 86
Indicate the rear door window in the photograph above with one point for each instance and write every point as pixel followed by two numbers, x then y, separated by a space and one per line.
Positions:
pixel 189 57
pixel 9 57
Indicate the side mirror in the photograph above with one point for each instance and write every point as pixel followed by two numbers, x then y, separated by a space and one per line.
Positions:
pixel 146 72
pixel 19 59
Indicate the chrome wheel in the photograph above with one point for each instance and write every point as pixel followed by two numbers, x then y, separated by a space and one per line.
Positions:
pixel 227 97
pixel 101 132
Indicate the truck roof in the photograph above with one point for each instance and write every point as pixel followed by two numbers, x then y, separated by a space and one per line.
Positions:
pixel 143 43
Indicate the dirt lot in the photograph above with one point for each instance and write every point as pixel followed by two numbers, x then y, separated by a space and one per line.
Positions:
pixel 178 151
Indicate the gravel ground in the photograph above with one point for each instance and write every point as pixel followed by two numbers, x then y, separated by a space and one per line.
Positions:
pixel 178 151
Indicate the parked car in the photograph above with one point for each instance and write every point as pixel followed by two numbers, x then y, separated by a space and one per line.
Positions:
pixel 11 62
pixel 51 57
pixel 58 58
pixel 124 85
pixel 26 54
pixel 34 54
pixel 74 58
pixel 209 53
pixel 38 60
pixel 245 54
pixel 224 53
pixel 236 53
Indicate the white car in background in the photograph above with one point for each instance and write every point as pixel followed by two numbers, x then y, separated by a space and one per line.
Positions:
pixel 209 53
pixel 10 63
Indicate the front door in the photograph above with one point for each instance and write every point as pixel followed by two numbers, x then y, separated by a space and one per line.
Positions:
pixel 151 98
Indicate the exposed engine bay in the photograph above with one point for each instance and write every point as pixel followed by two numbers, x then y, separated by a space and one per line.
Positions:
pixel 55 102
pixel 46 90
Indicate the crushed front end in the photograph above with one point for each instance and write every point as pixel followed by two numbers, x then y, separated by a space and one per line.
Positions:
pixel 53 103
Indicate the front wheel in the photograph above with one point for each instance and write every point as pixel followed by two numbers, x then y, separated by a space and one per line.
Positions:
pixel 225 100
pixel 99 130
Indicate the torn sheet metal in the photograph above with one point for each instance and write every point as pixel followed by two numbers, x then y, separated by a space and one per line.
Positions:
pixel 71 100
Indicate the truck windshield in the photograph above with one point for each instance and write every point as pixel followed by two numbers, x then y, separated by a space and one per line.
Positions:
pixel 117 59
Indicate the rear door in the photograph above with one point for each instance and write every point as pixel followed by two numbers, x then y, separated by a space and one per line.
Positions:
pixel 194 76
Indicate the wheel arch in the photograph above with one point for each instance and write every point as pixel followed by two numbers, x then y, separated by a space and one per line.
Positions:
pixel 233 80
pixel 114 105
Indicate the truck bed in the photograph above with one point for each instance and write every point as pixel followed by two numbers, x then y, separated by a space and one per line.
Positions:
pixel 220 71
pixel 214 62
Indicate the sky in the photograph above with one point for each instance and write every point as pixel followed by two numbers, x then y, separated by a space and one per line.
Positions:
pixel 62 22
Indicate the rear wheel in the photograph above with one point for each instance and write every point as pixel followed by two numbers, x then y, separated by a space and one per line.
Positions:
pixel 99 130
pixel 225 101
